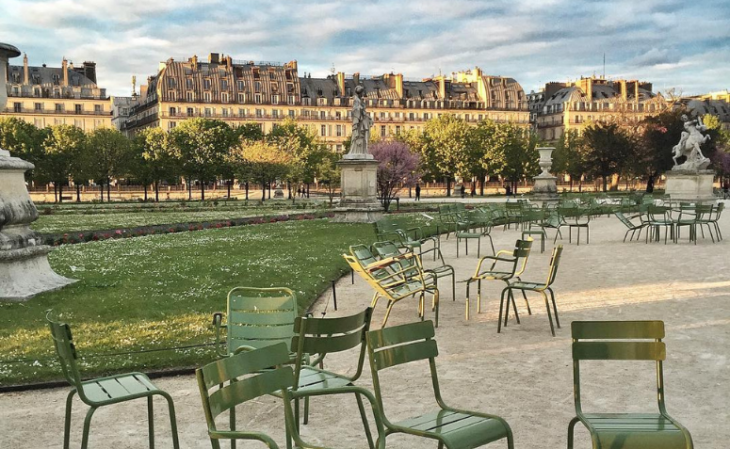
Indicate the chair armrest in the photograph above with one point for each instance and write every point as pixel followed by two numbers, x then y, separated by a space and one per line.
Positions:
pixel 243 348
pixel 218 325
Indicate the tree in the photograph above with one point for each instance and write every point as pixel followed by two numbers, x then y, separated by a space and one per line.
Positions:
pixel 305 151
pixel 200 146
pixel 568 157
pixel 153 160
pixel 485 155
pixel 517 151
pixel 23 140
pixel 330 173
pixel 607 148
pixel 398 166
pixel 444 147
pixel 261 160
pixel 60 146
pixel 109 157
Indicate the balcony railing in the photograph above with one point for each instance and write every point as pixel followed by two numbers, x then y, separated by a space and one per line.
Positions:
pixel 13 110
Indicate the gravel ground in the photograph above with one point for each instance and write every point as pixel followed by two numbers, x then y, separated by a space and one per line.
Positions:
pixel 522 374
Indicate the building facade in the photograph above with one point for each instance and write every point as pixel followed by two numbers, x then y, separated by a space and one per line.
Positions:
pixel 268 93
pixel 713 103
pixel 46 96
pixel 560 107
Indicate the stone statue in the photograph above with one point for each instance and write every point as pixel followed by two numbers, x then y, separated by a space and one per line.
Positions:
pixel 361 123
pixel 689 146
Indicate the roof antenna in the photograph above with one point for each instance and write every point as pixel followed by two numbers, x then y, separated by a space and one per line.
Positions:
pixel 604 65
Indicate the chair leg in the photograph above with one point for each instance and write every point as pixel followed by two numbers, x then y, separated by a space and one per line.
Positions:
pixel 491 243
pixel 479 296
pixel 151 421
pixel 375 300
pixel 457 247
pixel 524 296
pixel 514 307
pixel 571 431
pixel 436 311
pixel 479 246
pixel 87 424
pixel 555 307
pixel 305 418
pixel 501 308
pixel 67 419
pixel 468 283
pixel 466 243
pixel 173 419
pixel 550 315
pixel 453 286
pixel 387 312
pixel 365 424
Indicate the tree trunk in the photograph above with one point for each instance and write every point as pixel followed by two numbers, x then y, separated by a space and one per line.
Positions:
pixel 60 192
pixel 78 193
pixel 157 191
pixel 108 190
pixel 145 192
pixel 101 191
pixel 263 190
pixel 202 191
pixel 230 183
pixel 448 186
pixel 246 185
pixel 288 187
pixel 307 190
pixel 190 189
pixel 481 186
pixel 55 193
pixel 605 183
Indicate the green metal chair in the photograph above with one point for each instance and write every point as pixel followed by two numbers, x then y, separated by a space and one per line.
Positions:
pixel 704 218
pixel 517 259
pixel 715 217
pixel 631 226
pixel 658 217
pixel 575 217
pixel 533 224
pixel 451 427
pixel 105 390
pixel 464 233
pixel 687 218
pixel 617 340
pixel 330 336
pixel 539 287
pixel 230 382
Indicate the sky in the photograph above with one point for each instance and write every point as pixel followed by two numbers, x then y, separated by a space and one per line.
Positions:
pixel 681 45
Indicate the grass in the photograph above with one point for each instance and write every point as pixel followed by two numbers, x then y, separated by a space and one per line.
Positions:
pixel 160 291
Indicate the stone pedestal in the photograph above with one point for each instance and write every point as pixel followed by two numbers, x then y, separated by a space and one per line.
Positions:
pixel 690 185
pixel 278 192
pixel 359 198
pixel 24 268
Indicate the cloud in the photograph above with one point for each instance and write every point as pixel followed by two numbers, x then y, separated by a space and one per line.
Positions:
pixel 668 42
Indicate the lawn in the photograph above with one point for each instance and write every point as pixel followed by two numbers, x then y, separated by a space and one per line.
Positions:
pixel 160 291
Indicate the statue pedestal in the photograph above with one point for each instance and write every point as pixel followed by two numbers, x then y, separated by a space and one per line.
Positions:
pixel 359 198
pixel 24 268
pixel 690 185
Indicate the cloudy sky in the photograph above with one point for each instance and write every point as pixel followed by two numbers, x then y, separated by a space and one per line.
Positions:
pixel 683 45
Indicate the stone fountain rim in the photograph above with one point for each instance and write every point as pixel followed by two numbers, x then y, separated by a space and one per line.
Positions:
pixel 11 50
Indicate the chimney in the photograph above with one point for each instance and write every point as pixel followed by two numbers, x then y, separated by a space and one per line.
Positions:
pixel 589 89
pixel 194 62
pixel 25 69
pixel 90 70
pixel 636 90
pixel 399 84
pixel 624 91
pixel 64 68
pixel 340 77
pixel 213 58
pixel 356 78
pixel 442 87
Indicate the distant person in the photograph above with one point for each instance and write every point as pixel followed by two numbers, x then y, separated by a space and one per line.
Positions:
pixel 418 192
pixel 726 190
pixel 472 191
pixel 509 190
pixel 299 191
pixel 463 191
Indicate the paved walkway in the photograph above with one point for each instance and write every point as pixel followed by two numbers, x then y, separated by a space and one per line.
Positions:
pixel 522 374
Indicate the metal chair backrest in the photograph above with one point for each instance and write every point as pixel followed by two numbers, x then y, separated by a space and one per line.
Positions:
pixel 243 377
pixel 622 218
pixel 330 335
pixel 397 345
pixel 66 351
pixel 259 317
pixel 657 213
pixel 521 253
pixel 703 212
pixel 554 263
pixel 617 340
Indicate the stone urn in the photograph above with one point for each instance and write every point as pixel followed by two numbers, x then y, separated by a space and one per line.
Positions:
pixel 546 160
pixel 545 187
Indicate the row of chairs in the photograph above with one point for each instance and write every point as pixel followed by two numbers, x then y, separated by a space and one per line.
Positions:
pixel 652 218
pixel 254 370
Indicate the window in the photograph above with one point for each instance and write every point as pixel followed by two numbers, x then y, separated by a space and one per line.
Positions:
pixel 257 86
pixel 259 113
pixel 171 125
pixel 339 130
pixel 79 123
pixel 78 108
pixel 206 84
pixel 171 83
pixel 191 112
pixel 291 113
pixel 323 130
pixel 241 112
pixel 207 97
pixel 224 98
pixel 290 99
pixel 339 148
pixel 189 83
pixel 338 115
pixel 383 130
pixel 208 112
pixel 275 113
pixel 272 75
pixel 97 108
pixel 322 115
pixel 411 116
pixel 57 121
pixel 173 112
pixel 397 130
pixel 59 107
pixel 189 96
pixel 38 106
pixel 224 112
pixel 382 115
pixel 258 98
pixel 241 85
pixel 240 98
pixel 15 91
pixel 274 99
pixel 36 91
pixel 38 122
pixel 173 96
pixel 224 84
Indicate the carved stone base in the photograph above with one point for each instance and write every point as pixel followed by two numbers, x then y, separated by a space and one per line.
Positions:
pixel 359 203
pixel 690 186
pixel 25 272
pixel 545 186
pixel 357 215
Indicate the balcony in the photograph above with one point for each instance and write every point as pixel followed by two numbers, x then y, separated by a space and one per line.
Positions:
pixel 12 110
